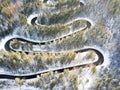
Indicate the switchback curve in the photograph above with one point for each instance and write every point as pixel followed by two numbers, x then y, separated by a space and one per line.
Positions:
pixel 59 70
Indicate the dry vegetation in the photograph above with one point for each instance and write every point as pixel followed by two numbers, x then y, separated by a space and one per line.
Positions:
pixel 16 62
pixel 10 8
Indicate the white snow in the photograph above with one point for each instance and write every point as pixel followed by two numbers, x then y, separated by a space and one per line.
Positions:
pixel 87 74
pixel 31 17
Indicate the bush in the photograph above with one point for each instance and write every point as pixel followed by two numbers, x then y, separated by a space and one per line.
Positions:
pixel 52 83
pixel 114 7
pixel 73 78
pixel 67 3
pixel 22 19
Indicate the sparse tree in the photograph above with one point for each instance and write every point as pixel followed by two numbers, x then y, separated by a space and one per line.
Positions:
pixel 19 81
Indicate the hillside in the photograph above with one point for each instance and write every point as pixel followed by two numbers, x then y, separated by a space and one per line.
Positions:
pixel 59 44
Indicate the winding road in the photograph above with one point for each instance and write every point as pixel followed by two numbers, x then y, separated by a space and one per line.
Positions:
pixel 59 70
